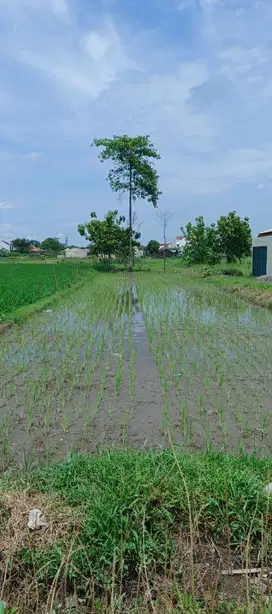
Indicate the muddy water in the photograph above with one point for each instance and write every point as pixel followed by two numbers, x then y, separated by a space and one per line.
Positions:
pixel 145 426
pixel 80 377
pixel 126 364
pixel 216 353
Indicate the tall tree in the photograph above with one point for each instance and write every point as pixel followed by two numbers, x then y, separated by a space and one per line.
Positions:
pixel 133 171
pixel 234 236
pixel 52 245
pixel 20 245
pixel 152 247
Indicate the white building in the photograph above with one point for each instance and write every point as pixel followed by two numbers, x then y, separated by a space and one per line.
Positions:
pixel 262 254
pixel 180 242
pixel 76 253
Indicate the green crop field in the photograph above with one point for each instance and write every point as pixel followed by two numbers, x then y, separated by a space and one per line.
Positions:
pixel 24 284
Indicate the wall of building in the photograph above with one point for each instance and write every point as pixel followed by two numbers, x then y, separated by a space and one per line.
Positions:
pixel 76 253
pixel 265 242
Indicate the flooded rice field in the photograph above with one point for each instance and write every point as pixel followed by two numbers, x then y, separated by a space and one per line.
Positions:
pixel 148 363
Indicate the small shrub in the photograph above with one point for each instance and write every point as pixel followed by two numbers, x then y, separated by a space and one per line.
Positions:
pixel 232 272
pixel 206 271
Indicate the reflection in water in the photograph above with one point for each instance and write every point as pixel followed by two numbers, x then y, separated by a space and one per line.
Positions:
pixel 170 307
pixel 59 326
pixel 208 308
pixel 130 302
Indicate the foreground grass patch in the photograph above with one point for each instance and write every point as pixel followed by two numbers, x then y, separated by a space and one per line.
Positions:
pixel 139 520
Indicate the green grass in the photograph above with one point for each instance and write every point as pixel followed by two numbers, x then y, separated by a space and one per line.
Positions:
pixel 244 284
pixel 24 284
pixel 178 264
pixel 132 510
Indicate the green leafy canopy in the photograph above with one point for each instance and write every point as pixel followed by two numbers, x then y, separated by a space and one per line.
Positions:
pixel 51 244
pixel 108 237
pixel 152 247
pixel 133 167
pixel 229 238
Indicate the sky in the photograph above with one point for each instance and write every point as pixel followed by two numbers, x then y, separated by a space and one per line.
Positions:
pixel 193 74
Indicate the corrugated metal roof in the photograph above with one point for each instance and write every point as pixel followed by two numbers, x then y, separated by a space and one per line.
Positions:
pixel 265 233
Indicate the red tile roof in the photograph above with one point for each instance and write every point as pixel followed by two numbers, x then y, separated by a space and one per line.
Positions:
pixel 35 249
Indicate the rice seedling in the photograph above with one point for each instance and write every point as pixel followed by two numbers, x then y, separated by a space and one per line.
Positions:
pixel 24 284
pixel 132 373
pixel 211 354
pixel 214 341
pixel 118 375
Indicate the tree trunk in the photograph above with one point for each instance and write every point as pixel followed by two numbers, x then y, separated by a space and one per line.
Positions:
pixel 130 268
pixel 164 256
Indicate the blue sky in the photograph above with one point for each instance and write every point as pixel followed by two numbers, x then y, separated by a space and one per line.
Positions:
pixel 194 74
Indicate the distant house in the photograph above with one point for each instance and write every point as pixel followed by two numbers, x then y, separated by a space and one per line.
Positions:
pixel 167 250
pixel 171 249
pixel 35 251
pixel 180 242
pixel 76 253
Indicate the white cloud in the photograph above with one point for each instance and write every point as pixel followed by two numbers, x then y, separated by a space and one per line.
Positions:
pixel 60 7
pixel 185 4
pixel 86 74
pixel 33 155
pixel 4 204
pixel 254 79
pixel 7 156
pixel 96 44
pixel 86 66
pixel 239 60
pixel 11 156
pixel 239 166
pixel 267 90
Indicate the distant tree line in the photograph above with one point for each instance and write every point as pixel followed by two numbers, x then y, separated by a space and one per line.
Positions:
pixel 230 239
pixel 49 246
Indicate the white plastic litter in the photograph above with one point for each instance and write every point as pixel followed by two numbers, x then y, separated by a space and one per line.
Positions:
pixel 268 488
pixel 48 311
pixel 36 520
